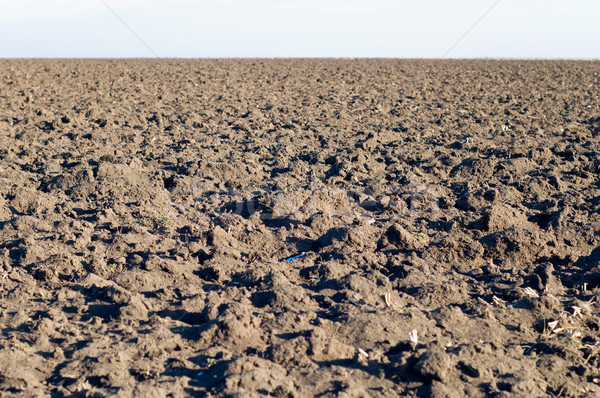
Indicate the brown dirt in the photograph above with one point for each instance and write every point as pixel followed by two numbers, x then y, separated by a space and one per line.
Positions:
pixel 147 210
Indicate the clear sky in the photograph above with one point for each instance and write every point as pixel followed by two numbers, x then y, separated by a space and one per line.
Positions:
pixel 300 28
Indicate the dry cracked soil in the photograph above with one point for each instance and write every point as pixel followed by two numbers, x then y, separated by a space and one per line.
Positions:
pixel 297 227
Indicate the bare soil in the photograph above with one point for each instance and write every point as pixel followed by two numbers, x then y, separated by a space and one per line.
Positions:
pixel 280 228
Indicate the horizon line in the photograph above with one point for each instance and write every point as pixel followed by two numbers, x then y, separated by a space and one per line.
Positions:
pixel 314 58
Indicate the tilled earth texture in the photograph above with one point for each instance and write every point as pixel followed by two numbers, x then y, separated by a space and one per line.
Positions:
pixel 296 228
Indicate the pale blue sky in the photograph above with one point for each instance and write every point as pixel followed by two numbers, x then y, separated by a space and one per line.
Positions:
pixel 294 28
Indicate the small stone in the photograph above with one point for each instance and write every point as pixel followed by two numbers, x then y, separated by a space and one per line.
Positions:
pixel 384 201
